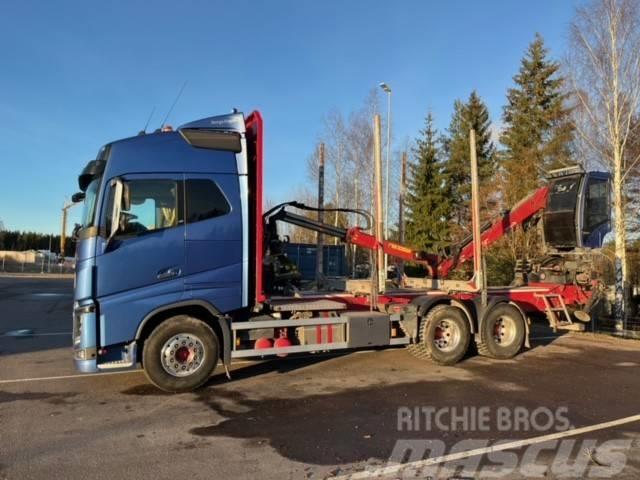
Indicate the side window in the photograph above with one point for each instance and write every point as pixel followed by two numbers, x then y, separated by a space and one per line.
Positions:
pixel 204 200
pixel 596 207
pixel 153 205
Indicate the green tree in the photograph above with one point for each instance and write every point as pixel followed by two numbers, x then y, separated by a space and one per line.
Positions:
pixel 466 116
pixel 428 202
pixel 537 129
pixel 19 241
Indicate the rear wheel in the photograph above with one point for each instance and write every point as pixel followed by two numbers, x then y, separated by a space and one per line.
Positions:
pixel 444 335
pixel 180 354
pixel 502 332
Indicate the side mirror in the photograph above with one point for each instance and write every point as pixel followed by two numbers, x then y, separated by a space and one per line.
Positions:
pixel 118 188
pixel 76 229
pixel 126 197
pixel 77 197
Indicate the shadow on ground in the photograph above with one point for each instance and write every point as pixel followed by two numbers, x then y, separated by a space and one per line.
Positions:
pixel 358 422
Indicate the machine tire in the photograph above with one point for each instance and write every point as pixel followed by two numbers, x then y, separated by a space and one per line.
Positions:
pixel 167 367
pixel 502 332
pixel 444 335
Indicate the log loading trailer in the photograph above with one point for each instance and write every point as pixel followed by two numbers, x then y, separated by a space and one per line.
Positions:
pixel 178 267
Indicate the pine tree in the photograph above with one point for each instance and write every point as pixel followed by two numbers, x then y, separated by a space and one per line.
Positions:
pixel 428 203
pixel 466 116
pixel 537 132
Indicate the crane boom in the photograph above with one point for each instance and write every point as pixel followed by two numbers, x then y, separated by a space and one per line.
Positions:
pixel 574 204
pixel 355 236
pixel 522 212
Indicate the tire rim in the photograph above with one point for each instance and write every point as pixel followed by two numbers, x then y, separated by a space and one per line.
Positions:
pixel 446 335
pixel 182 355
pixel 504 330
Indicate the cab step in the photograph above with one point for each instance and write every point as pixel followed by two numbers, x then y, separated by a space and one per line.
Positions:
pixel 116 364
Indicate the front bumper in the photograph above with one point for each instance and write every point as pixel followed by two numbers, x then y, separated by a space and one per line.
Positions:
pixel 86 366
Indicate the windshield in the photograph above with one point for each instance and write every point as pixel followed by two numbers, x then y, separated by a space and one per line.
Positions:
pixel 563 194
pixel 90 198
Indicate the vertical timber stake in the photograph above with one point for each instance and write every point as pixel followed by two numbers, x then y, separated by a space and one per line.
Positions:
pixel 403 188
pixel 320 239
pixel 478 263
pixel 377 160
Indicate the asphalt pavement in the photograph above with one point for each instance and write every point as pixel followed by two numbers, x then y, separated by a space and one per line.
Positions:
pixel 316 417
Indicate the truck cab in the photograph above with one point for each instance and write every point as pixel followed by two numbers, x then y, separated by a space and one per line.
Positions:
pixel 165 232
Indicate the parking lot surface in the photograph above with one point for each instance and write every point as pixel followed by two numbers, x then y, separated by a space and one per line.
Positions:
pixel 308 418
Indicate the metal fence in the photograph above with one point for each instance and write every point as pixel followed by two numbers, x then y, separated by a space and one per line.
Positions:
pixel 40 264
pixel 608 325
pixel 604 321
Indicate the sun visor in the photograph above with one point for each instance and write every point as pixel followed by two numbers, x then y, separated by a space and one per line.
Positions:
pixel 212 139
pixel 93 169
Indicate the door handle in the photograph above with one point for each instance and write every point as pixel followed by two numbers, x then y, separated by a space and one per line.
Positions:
pixel 168 273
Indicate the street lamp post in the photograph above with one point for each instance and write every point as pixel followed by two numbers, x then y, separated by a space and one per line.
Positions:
pixel 387 89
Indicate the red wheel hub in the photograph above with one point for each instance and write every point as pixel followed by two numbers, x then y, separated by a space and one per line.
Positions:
pixel 182 354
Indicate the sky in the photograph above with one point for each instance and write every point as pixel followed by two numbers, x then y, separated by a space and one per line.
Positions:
pixel 76 75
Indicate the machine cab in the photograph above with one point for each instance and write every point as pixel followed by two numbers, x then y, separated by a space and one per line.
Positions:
pixel 578 212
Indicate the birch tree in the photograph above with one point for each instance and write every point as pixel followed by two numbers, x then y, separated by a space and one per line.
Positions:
pixel 604 67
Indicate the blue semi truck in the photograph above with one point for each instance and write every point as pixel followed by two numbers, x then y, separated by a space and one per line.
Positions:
pixel 178 268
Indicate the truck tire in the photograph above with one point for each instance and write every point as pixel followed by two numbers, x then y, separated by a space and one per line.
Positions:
pixel 180 354
pixel 502 332
pixel 444 335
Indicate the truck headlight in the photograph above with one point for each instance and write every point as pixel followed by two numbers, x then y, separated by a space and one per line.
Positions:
pixel 82 316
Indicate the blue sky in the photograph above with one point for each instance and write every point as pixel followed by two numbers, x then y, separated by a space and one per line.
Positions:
pixel 75 75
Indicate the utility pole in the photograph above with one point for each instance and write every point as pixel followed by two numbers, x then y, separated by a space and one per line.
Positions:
pixel 49 259
pixel 320 239
pixel 356 219
pixel 478 263
pixel 377 160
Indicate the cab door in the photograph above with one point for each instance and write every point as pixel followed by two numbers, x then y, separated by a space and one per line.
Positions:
pixel 142 266
pixel 214 239
pixel 596 210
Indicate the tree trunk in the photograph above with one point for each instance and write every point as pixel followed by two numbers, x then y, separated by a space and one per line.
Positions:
pixel 620 242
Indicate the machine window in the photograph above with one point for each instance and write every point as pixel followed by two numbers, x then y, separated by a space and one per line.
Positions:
pixel 153 206
pixel 596 204
pixel 204 200
pixel 563 194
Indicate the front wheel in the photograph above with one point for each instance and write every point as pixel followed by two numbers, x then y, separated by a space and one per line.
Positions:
pixel 502 332
pixel 180 354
